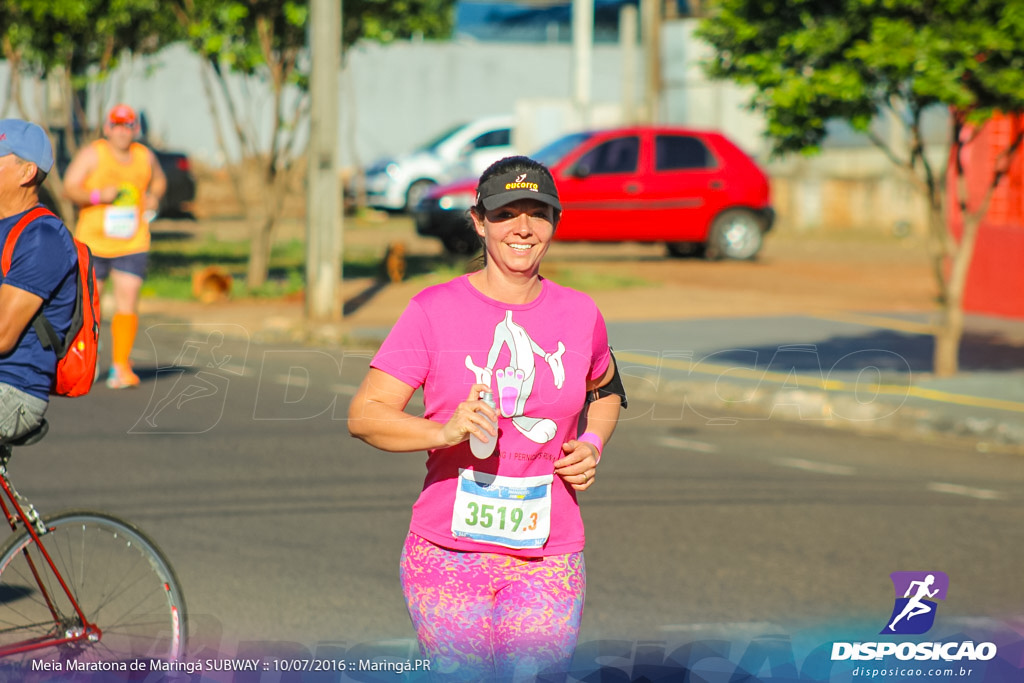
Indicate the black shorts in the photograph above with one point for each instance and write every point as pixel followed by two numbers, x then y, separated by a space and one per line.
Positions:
pixel 135 264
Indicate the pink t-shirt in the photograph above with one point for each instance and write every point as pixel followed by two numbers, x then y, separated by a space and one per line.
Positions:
pixel 537 358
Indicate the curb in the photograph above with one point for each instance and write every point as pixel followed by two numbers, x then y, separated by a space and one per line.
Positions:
pixel 727 401
pixel 913 412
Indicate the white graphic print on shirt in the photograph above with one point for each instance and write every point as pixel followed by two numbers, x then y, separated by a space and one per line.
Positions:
pixel 515 382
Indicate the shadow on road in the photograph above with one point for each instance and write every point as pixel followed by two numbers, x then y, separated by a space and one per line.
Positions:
pixel 362 298
pixel 889 351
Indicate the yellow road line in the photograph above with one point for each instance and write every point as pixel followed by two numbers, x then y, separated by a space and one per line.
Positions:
pixel 824 384
pixel 879 321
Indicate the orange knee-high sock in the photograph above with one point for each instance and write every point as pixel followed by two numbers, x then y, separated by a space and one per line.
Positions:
pixel 123 327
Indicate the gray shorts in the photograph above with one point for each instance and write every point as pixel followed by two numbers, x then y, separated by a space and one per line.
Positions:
pixel 20 413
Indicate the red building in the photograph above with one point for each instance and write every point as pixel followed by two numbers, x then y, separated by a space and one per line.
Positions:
pixel 995 283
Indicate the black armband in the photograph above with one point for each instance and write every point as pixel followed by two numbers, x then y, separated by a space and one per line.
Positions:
pixel 613 387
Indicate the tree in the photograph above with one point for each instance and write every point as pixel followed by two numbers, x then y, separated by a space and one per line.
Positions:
pixel 266 40
pixel 72 46
pixel 814 61
pixel 262 40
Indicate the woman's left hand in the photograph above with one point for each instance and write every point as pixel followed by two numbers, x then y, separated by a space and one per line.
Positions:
pixel 579 466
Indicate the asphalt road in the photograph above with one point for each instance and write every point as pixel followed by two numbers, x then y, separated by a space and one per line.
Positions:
pixel 236 459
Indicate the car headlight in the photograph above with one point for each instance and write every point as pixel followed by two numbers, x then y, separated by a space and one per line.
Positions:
pixel 379 166
pixel 392 170
pixel 451 202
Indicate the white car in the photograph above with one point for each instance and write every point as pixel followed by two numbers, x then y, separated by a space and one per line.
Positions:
pixel 467 149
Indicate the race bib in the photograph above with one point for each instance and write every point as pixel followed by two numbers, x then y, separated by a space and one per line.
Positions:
pixel 514 512
pixel 121 222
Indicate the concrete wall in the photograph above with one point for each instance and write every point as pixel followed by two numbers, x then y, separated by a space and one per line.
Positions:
pixel 392 97
pixel 689 98
pixel 395 97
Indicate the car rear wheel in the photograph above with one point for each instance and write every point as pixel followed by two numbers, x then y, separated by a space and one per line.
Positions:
pixel 735 234
pixel 416 192
pixel 684 249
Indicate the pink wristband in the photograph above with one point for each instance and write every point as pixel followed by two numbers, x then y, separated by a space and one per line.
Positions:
pixel 593 439
pixel 94 197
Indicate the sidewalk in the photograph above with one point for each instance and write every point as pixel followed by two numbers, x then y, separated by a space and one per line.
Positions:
pixel 866 373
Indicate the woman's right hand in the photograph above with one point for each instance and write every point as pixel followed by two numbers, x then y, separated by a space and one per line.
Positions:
pixel 472 416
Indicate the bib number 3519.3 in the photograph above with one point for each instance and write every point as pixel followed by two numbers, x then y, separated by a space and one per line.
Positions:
pixel 514 512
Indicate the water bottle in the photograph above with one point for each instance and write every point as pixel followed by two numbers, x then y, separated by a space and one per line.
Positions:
pixel 479 448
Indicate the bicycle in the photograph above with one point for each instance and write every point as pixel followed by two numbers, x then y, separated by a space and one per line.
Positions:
pixel 83 585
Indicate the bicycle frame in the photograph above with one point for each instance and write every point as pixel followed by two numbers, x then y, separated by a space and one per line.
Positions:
pixel 17 509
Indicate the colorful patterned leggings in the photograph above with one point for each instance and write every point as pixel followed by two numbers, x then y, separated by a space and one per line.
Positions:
pixel 481 616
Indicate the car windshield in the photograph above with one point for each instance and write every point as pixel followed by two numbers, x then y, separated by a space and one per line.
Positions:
pixel 551 153
pixel 433 144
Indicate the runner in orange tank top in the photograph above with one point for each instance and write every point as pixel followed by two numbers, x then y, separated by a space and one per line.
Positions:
pixel 117 184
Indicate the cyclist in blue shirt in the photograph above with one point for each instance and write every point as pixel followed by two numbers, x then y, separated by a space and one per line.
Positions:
pixel 42 277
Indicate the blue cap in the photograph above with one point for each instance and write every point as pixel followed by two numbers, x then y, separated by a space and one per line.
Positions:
pixel 27 141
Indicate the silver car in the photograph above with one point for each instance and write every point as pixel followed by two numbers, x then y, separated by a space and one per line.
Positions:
pixel 467 149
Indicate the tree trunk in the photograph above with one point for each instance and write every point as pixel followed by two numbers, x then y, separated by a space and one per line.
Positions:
pixel 274 188
pixel 206 74
pixel 939 244
pixel 13 58
pixel 947 340
pixel 943 250
pixel 946 359
pixel 259 252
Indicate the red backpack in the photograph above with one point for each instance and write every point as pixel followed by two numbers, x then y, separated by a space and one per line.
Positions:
pixel 77 351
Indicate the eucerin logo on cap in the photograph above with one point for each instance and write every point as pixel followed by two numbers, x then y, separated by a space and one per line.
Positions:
pixel 520 184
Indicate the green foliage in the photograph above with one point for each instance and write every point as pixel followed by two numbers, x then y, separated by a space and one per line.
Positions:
pixel 245 36
pixel 241 34
pixel 386 20
pixel 236 33
pixel 267 39
pixel 84 33
pixel 810 61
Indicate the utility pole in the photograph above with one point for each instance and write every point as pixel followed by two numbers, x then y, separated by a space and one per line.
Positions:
pixel 650 13
pixel 627 42
pixel 583 50
pixel 323 185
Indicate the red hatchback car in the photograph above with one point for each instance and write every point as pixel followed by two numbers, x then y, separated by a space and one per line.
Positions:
pixel 694 190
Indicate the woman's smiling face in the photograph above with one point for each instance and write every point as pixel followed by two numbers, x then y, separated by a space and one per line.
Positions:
pixel 517 235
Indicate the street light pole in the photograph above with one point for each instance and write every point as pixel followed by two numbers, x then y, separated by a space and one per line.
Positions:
pixel 323 185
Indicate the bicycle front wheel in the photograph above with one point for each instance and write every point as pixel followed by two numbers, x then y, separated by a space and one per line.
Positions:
pixel 120 579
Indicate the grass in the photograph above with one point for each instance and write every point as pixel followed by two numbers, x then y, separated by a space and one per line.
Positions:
pixel 586 279
pixel 433 270
pixel 174 258
pixel 172 262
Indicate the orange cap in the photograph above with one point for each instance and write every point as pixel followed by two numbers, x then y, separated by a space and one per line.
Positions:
pixel 122 113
